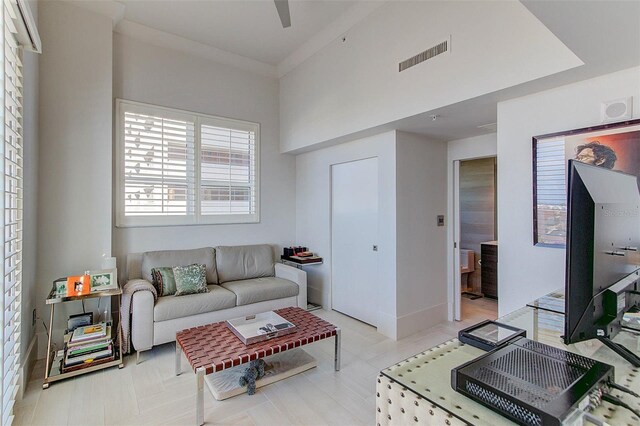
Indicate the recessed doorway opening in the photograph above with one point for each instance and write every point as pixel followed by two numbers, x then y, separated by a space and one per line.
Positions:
pixel 475 238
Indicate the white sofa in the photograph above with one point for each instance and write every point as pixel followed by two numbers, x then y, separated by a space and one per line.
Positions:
pixel 242 280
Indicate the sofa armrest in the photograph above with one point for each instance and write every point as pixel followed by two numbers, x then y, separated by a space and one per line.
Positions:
pixel 142 320
pixel 299 277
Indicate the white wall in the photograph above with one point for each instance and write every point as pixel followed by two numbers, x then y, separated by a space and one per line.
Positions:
pixel 313 217
pixel 30 219
pixel 461 149
pixel 421 195
pixel 74 180
pixel 161 76
pixel 355 85
pixel 527 272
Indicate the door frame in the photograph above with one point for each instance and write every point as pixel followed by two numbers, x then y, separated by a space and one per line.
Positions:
pixel 377 289
pixel 455 280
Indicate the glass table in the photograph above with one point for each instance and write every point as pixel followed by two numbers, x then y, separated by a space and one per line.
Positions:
pixel 418 389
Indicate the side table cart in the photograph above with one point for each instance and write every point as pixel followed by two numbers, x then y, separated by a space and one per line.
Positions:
pixel 298 264
pixel 52 371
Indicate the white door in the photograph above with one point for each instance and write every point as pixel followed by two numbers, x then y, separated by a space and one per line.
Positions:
pixel 354 233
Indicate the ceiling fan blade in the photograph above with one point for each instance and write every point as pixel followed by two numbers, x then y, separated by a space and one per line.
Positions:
pixel 283 11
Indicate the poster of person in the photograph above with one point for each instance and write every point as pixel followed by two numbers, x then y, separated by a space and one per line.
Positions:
pixel 614 146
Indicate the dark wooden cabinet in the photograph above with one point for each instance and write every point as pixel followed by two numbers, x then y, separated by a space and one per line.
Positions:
pixel 489 269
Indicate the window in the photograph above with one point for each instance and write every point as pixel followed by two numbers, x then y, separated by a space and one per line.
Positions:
pixel 551 203
pixel 12 186
pixel 180 168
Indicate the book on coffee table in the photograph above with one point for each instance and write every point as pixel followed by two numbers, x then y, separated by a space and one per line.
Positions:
pixel 260 327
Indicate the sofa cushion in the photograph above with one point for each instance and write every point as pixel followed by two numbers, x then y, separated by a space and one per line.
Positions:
pixel 164 281
pixel 169 258
pixel 190 279
pixel 244 262
pixel 171 307
pixel 261 289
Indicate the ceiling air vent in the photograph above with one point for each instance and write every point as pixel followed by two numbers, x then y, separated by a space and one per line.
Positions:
pixel 436 50
pixel 491 127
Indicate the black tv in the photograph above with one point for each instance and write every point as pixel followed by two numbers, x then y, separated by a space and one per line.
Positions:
pixel 603 236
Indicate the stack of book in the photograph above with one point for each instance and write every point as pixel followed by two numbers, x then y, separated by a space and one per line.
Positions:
pixel 88 346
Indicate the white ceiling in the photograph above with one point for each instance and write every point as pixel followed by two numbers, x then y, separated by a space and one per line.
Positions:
pixel 249 28
pixel 604 34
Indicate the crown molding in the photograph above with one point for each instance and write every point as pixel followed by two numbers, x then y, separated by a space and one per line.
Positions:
pixel 172 41
pixel 109 8
pixel 331 32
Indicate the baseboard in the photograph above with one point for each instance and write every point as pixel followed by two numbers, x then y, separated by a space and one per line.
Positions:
pixel 406 325
pixel 27 365
pixel 418 321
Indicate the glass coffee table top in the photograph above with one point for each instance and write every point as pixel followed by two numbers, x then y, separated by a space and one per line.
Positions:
pixel 428 373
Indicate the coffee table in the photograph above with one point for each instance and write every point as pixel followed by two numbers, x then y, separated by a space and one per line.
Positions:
pixel 213 347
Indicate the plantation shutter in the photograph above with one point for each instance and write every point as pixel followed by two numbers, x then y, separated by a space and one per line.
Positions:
pixel 12 211
pixel 159 171
pixel 227 169
pixel 177 168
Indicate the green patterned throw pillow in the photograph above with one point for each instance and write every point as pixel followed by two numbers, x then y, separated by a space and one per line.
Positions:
pixel 190 279
pixel 164 281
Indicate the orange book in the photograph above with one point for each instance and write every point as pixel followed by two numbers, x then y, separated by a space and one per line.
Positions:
pixel 78 285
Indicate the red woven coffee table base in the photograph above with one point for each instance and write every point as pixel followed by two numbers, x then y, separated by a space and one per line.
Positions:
pixel 214 347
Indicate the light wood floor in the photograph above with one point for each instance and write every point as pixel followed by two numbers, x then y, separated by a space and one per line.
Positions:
pixel 150 393
pixel 483 307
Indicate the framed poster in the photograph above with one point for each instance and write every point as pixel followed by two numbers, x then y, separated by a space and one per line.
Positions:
pixel 614 146
pixel 105 279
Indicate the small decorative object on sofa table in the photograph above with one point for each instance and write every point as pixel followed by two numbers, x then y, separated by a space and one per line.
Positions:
pixel 300 256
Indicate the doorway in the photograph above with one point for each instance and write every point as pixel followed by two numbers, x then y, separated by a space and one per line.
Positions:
pixel 354 234
pixel 475 235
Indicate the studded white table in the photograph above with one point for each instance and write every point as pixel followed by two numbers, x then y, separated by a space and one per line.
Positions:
pixel 418 390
